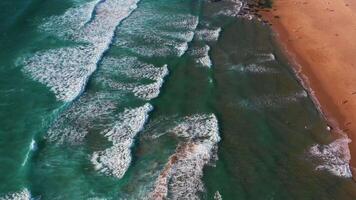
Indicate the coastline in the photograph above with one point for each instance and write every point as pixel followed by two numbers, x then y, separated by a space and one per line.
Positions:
pixel 317 37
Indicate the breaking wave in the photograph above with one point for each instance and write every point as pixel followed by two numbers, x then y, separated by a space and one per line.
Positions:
pixel 208 35
pixel 181 176
pixel 66 70
pixel 116 160
pixel 334 157
pixel 253 69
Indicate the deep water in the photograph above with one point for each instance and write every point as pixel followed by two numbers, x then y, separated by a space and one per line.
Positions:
pixel 155 99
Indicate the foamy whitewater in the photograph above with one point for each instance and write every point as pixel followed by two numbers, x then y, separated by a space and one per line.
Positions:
pixel 116 160
pixel 208 34
pixel 74 124
pixel 181 176
pixel 21 195
pixel 232 9
pixel 202 56
pixel 66 70
pixel 131 68
pixel 253 69
pixel 334 157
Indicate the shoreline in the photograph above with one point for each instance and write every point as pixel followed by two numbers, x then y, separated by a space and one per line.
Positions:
pixel 317 39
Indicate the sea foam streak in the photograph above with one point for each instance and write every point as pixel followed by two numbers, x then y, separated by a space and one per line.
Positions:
pixel 181 176
pixel 272 101
pixel 334 157
pixel 31 148
pixel 66 70
pixel 116 160
pixel 21 195
pixel 253 69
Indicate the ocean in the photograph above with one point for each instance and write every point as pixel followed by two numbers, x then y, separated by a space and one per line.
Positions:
pixel 156 99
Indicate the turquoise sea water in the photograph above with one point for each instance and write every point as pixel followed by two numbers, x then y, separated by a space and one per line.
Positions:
pixel 155 99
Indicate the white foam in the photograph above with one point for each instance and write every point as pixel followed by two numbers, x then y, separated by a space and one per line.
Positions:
pixel 217 196
pixel 202 56
pixel 266 57
pixel 32 147
pixel 334 157
pixel 181 176
pixel 21 195
pixel 232 10
pixel 74 124
pixel 71 21
pixel 116 159
pixel 208 34
pixel 66 70
pixel 143 91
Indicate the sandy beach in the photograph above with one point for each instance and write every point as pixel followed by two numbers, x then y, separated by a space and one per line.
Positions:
pixel 320 38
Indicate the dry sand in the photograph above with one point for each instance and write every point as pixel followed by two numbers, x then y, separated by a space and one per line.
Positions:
pixel 320 38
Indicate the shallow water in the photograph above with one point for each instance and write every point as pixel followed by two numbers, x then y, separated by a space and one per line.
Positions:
pixel 153 99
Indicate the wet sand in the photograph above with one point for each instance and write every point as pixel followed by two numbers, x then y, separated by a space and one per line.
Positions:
pixel 320 38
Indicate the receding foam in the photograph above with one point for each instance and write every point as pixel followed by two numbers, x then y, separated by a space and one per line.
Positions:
pixel 24 194
pixel 232 10
pixel 202 55
pixel 66 70
pixel 181 176
pixel 273 101
pixel 208 34
pixel 334 157
pixel 116 160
